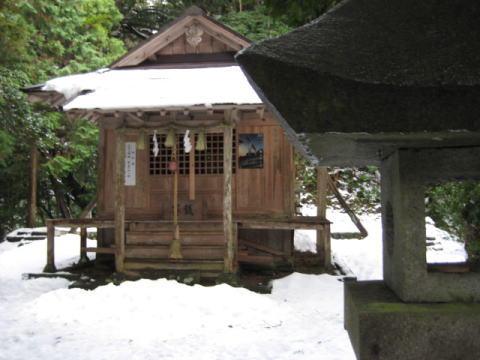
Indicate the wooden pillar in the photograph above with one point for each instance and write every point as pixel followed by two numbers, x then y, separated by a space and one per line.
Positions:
pixel 227 200
pixel 120 201
pixel 323 235
pixel 32 200
pixel 83 245
pixel 50 267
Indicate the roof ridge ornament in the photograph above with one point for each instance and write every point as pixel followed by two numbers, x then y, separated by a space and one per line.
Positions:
pixel 194 34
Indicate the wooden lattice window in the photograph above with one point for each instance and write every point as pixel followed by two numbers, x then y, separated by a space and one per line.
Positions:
pixel 208 161
pixel 159 163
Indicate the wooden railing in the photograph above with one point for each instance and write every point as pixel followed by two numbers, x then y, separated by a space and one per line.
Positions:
pixel 83 224
pixel 297 222
pixel 320 224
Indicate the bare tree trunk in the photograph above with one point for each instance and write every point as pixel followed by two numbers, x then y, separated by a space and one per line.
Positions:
pixel 62 206
pixel 348 210
pixel 86 213
pixel 32 199
pixel 472 245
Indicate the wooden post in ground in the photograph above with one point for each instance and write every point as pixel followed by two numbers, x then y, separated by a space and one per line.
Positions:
pixel 120 201
pixel 32 200
pixel 50 267
pixel 83 244
pixel 323 235
pixel 348 210
pixel 227 200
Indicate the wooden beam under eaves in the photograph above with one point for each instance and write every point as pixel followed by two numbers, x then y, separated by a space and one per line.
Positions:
pixel 152 46
pixel 193 108
pixel 223 35
pixel 236 115
pixel 135 119
pixel 261 112
pixel 95 118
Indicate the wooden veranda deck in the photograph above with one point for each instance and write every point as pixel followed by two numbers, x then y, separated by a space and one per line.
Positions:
pixel 146 241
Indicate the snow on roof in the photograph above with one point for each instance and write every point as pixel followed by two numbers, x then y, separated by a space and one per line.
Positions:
pixel 154 88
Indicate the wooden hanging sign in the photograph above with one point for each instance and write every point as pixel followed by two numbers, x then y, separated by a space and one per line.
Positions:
pixel 130 163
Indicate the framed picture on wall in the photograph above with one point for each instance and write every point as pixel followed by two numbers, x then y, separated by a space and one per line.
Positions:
pixel 250 151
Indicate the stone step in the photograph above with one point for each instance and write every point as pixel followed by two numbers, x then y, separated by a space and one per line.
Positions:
pixel 16 238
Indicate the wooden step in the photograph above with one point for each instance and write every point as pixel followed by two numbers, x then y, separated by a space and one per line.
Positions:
pixel 242 252
pixel 24 237
pixel 196 252
pixel 200 225
pixel 185 265
pixel 263 248
pixel 148 237
pixel 256 259
pixel 99 250
pixel 165 238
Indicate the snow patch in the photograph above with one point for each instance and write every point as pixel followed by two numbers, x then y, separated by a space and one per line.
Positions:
pixel 147 320
pixel 363 258
pixel 154 88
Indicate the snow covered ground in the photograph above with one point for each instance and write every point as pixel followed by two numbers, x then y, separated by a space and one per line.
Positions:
pixel 162 319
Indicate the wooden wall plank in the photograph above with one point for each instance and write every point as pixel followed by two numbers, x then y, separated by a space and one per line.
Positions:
pixel 178 47
pixel 205 47
pixel 167 50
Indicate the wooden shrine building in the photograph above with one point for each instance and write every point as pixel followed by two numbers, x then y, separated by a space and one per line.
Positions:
pixel 193 173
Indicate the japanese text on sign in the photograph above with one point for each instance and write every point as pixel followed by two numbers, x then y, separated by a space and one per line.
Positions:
pixel 130 163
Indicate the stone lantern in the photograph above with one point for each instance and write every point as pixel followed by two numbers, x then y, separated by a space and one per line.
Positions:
pixel 394 84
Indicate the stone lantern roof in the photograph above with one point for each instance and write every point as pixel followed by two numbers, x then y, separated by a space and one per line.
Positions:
pixel 372 76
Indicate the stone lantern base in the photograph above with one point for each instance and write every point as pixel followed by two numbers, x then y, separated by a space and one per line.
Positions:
pixel 381 326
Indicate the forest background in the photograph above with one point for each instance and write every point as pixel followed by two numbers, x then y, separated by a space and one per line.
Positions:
pixel 42 39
